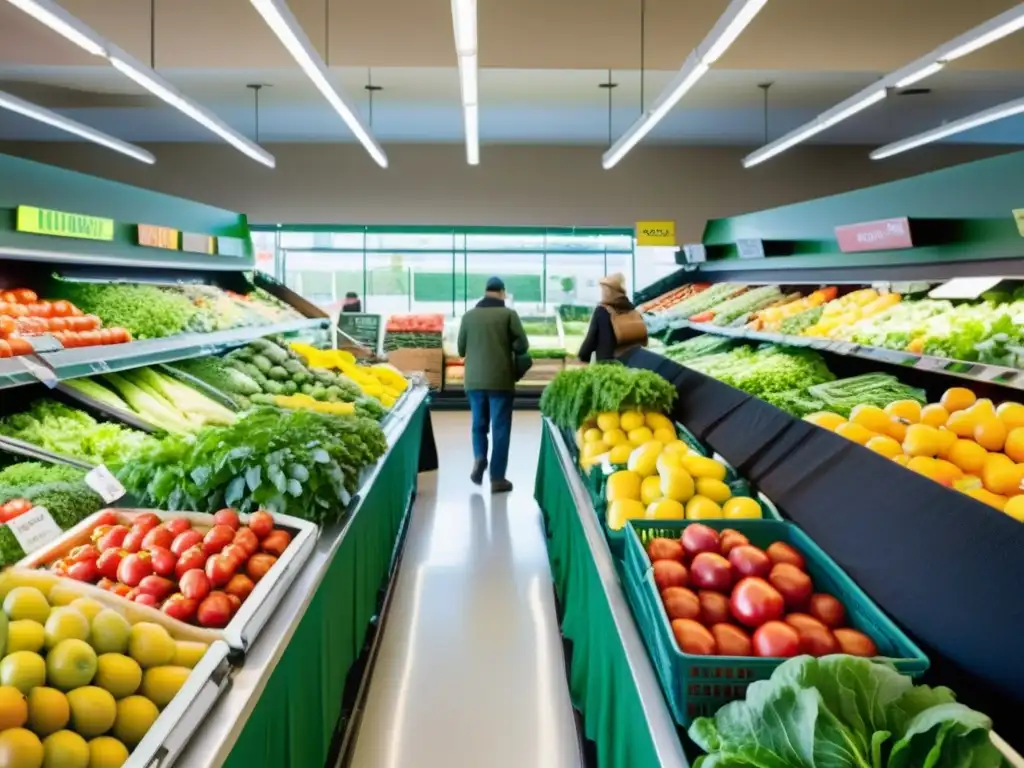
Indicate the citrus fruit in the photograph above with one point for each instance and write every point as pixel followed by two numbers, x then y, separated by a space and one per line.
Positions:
pixel 24 670
pixel 48 710
pixel 946 472
pixel 947 439
pixel 713 489
pixel 13 707
pixel 65 624
pixel 107 752
pixel 702 508
pixel 644 459
pixel 967 455
pixel 968 483
pixel 87 607
pixel 1015 507
pixel 613 437
pixel 884 445
pixel 921 440
pixel 92 710
pixel 701 466
pixel 608 421
pixel 858 433
pixel 594 448
pixel 161 684
pixel 664 435
pixel 957 399
pixel 908 410
pixel 650 489
pixel 668 462
pixel 1000 475
pixel 640 435
pixel 624 484
pixel 118 674
pixel 990 434
pixel 1014 446
pixel 1011 414
pixel 64 594
pixel 902 459
pixel 592 435
pixel 188 653
pixel 631 420
pixel 619 454
pixel 994 500
pixel 135 716
pixel 70 664
pixel 871 417
pixel 983 409
pixel 825 419
pixel 656 421
pixel 65 749
pixel 20 748
pixel 677 446
pixel 151 645
pixel 934 415
pixel 25 635
pixel 924 465
pixel 665 509
pixel 741 508
pixel 26 603
pixel 676 484
pixel 110 632
pixel 621 510
pixel 897 429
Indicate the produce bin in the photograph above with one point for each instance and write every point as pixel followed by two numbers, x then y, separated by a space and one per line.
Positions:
pixel 697 686
pixel 245 625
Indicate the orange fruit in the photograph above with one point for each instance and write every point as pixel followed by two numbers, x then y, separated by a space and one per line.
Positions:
pixel 962 423
pixel 908 410
pixel 855 432
pixel 884 445
pixel 922 440
pixel 967 455
pixel 947 472
pixel 924 465
pixel 1014 446
pixel 957 399
pixel 990 434
pixel 946 441
pixel 983 408
pixel 897 429
pixel 934 415
pixel 1015 508
pixel 1000 475
pixel 1011 414
pixel 994 500
pixel 968 483
pixel 902 459
pixel 872 417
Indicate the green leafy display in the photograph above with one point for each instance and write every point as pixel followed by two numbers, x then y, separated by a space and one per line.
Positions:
pixel 798 323
pixel 147 311
pixel 844 712
pixel 577 393
pixel 299 463
pixel 767 369
pixel 699 346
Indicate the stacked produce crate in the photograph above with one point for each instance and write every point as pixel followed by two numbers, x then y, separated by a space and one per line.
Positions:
pixel 413 345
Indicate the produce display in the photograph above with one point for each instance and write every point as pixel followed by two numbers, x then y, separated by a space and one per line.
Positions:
pixel 199 571
pixel 841 314
pixel 81 682
pixel 577 394
pixel 844 712
pixel 228 309
pixel 774 318
pixel 769 368
pixel 23 315
pixel 413 332
pixel 747 601
pixel 843 395
pixel 668 300
pixel 71 432
pixel 702 301
pixel 698 346
pixel 736 309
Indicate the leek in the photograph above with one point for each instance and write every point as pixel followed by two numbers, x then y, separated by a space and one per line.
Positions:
pixel 150 408
pixel 98 392
pixel 191 403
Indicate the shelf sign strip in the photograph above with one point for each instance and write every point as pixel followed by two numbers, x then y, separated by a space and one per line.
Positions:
pixel 158 237
pixel 194 243
pixel 882 235
pixel 42 221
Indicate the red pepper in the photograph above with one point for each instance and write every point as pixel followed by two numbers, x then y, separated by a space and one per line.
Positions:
pixel 703 317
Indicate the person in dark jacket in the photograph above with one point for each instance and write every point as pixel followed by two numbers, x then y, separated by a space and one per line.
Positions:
pixel 490 337
pixel 615 326
pixel 352 303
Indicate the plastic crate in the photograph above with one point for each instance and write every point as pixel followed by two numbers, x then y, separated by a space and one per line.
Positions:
pixel 696 686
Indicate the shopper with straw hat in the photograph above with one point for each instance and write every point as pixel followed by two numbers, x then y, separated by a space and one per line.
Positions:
pixel 616 327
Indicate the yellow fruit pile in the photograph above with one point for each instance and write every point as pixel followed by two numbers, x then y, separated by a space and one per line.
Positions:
pixel 379 381
pixel 664 479
pixel 297 401
pixel 843 312
pixel 962 442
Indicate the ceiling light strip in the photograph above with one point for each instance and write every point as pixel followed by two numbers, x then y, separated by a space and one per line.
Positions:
pixel 991 115
pixel 464 25
pixel 43 115
pixel 994 29
pixel 729 26
pixel 282 22
pixel 63 23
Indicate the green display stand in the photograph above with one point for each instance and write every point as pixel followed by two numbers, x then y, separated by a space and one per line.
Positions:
pixel 624 712
pixel 296 715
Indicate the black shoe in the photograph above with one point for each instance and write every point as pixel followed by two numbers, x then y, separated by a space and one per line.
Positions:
pixel 500 486
pixel 477 475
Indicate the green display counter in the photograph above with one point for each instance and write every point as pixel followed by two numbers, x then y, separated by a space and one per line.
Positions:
pixel 283 705
pixel 611 679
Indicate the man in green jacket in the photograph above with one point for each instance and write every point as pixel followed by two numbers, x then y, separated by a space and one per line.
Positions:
pixel 490 337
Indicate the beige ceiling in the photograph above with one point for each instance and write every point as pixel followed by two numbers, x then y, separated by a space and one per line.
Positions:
pixel 795 35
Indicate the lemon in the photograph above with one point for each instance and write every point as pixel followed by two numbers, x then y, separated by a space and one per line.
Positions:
pixel 631 420
pixel 87 607
pixel 44 581
pixel 135 716
pixel 92 710
pixel 187 653
pixel 666 509
pixel 621 510
pixel 665 435
pixel 65 749
pixel 48 710
pixel 702 508
pixel 620 453
pixel 65 623
pixel 26 603
pixel 858 433
pixel 656 421
pixel 701 466
pixel 741 508
pixel 677 446
pixel 13 708
pixel 871 417
pixel 884 445
pixel 23 670
pixel 668 461
pixel 161 684
pixel 107 752
pixel 640 436
pixel 594 449
pixel 644 460
pixel 650 490
pixel 20 748
pixel 608 421
pixel 592 435
pixel 677 484
pixel 119 674
pixel 150 644
pixel 624 484
pixel 713 489
pixel 64 594
pixel 613 437
pixel 25 635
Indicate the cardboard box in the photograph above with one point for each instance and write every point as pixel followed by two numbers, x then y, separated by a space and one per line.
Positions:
pixel 429 362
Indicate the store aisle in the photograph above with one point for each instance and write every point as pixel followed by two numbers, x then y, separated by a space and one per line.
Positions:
pixel 470 671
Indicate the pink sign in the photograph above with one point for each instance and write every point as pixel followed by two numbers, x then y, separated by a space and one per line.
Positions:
pixel 884 235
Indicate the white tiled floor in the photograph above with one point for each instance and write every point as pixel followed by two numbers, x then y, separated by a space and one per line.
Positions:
pixel 470 672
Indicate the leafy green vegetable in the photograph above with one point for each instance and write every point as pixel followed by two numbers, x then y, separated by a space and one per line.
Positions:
pixel 844 712
pixel 29 473
pixel 699 346
pixel 577 393
pixel 147 311
pixel 747 302
pixel 768 369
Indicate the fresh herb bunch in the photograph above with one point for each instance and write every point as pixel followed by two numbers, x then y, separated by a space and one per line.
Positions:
pixel 767 369
pixel 577 393
pixel 299 463
pixel 148 311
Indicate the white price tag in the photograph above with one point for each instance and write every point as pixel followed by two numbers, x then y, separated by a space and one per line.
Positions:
pixel 102 481
pixel 43 373
pixel 34 529
pixel 932 364
pixel 44 342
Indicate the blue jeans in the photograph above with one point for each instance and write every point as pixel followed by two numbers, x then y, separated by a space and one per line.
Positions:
pixel 492 412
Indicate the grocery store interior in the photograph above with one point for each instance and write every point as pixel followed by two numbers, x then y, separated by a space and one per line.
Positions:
pixel 774 521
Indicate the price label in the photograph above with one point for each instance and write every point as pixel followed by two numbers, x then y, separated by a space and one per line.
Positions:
pixel 841 347
pixel 994 373
pixel 40 371
pixel 100 366
pixel 102 481
pixel 34 529
pixel 932 364
pixel 44 342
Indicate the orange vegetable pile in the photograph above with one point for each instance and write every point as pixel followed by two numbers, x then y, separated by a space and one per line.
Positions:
pixel 23 315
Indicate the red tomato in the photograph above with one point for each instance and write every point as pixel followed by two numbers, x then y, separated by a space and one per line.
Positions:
pixel 828 610
pixel 84 570
pixel 144 598
pixel 178 525
pixel 731 640
pixel 15 507
pixel 134 568
pixel 195 584
pixel 158 537
pixel 133 541
pixel 730 540
pixel 698 538
pixel 24 296
pixel 5 349
pixel 8 297
pixel 61 308
pixel 112 538
pixel 237 553
pixel 669 573
pixel 694 638
pixel 714 608
pixel 262 523
pixel 754 601
pixel 193 557
pixel 247 540
pixel 258 566
pixel 214 611
pixel 776 639
pixel 164 561
pixel 107 517
pixel 780 552
pixel 179 607
pixel 185 541
pixel 240 586
pixel 276 543
pixel 108 562
pixel 793 584
pixel 83 552
pixel 157 586
pixel 226 517
pixel 220 569
pixel 855 643
pixel 146 521
pixel 680 603
pixel 750 561
pixel 217 538
pixel 236 603
pixel 709 570
pixel 665 549
pixel 60 567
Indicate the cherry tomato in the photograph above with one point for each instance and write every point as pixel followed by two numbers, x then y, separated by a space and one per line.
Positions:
pixel 91 322
pixel 731 640
pixel 793 584
pixel 83 552
pixel 776 639
pixel 258 566
pixel 277 542
pixel 680 603
pixel 89 338
pixel 693 637
pixel 780 552
pixel 8 297
pixel 105 583
pixel 855 643
pixel 261 523
pixel 42 309
pixel 828 610
pixel 179 607
pixel 106 337
pixel 13 508
pixel 754 601
pixel 76 312
pixel 133 541
pixel 237 553
pixel 227 517
pixel 121 590
pixel 107 517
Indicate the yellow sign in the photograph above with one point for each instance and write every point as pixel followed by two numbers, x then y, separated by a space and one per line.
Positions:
pixel 1018 216
pixel 656 233
pixel 40 221
pixel 158 237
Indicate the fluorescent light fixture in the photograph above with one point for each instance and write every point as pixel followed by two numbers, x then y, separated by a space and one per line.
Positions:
pixel 163 90
pixel 844 110
pixel 464 23
pixel 63 23
pixel 472 121
pixel 991 115
pixel 468 78
pixel 283 23
pixel 984 34
pixel 730 25
pixel 925 71
pixel 464 27
pixel 43 115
